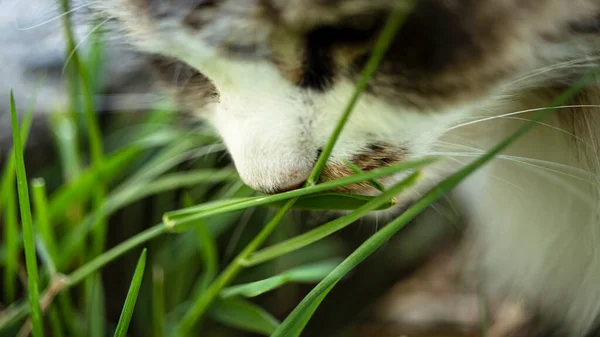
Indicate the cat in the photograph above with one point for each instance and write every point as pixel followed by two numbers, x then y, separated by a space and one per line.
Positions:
pixel 273 77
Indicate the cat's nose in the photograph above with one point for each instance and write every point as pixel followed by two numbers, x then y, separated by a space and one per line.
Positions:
pixel 287 188
pixel 282 185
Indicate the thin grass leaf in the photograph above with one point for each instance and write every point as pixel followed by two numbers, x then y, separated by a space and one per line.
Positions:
pixel 80 189
pixel 45 257
pixel 27 223
pixel 332 201
pixel 293 325
pixel 384 40
pixel 11 245
pixel 158 302
pixel 329 228
pixel 132 294
pixel 310 273
pixel 55 323
pixel 209 255
pixel 199 307
pixel 127 193
pixel 243 315
pixel 8 175
pixel 96 308
pixel 113 253
pixel 42 220
pixel 374 182
pixel 64 130
pixel 180 220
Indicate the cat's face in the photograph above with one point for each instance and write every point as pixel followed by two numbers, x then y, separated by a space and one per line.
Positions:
pixel 277 74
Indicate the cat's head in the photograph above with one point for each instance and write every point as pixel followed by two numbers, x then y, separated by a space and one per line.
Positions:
pixel 273 76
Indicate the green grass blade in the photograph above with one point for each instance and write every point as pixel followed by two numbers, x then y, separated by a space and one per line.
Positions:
pixel 333 201
pixel 296 321
pixel 80 188
pixel 209 255
pixel 111 254
pixel 243 315
pixel 64 130
pixel 8 175
pixel 180 220
pixel 132 294
pixel 55 323
pixel 328 228
pixel 310 273
pixel 385 39
pixel 11 244
pixel 43 225
pixel 96 308
pixel 375 183
pixel 128 193
pixel 27 223
pixel 199 307
pixel 158 302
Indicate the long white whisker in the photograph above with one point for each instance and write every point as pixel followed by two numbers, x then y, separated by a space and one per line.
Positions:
pixel 541 123
pixel 54 18
pixel 92 31
pixel 493 176
pixel 478 151
pixel 521 112
pixel 527 161
pixel 543 70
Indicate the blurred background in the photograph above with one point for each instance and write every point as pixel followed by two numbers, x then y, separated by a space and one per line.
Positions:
pixel 155 159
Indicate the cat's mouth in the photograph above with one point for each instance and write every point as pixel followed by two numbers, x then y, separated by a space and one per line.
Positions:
pixel 376 155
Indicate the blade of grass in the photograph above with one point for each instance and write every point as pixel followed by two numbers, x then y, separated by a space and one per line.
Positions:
pixel 293 325
pixel 27 223
pixel 11 244
pixel 8 175
pixel 375 183
pixel 209 255
pixel 333 201
pixel 64 130
pixel 199 307
pixel 158 302
pixel 329 228
pixel 243 315
pixel 179 220
pixel 125 193
pixel 40 203
pixel 385 39
pixel 310 273
pixel 55 324
pixel 128 193
pixel 79 189
pixel 96 308
pixel 132 294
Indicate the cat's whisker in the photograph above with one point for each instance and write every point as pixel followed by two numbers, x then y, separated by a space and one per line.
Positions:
pixel 485 119
pixel 478 151
pixel 529 162
pixel 556 66
pixel 72 10
pixel 80 43
pixel 544 172
pixel 492 176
